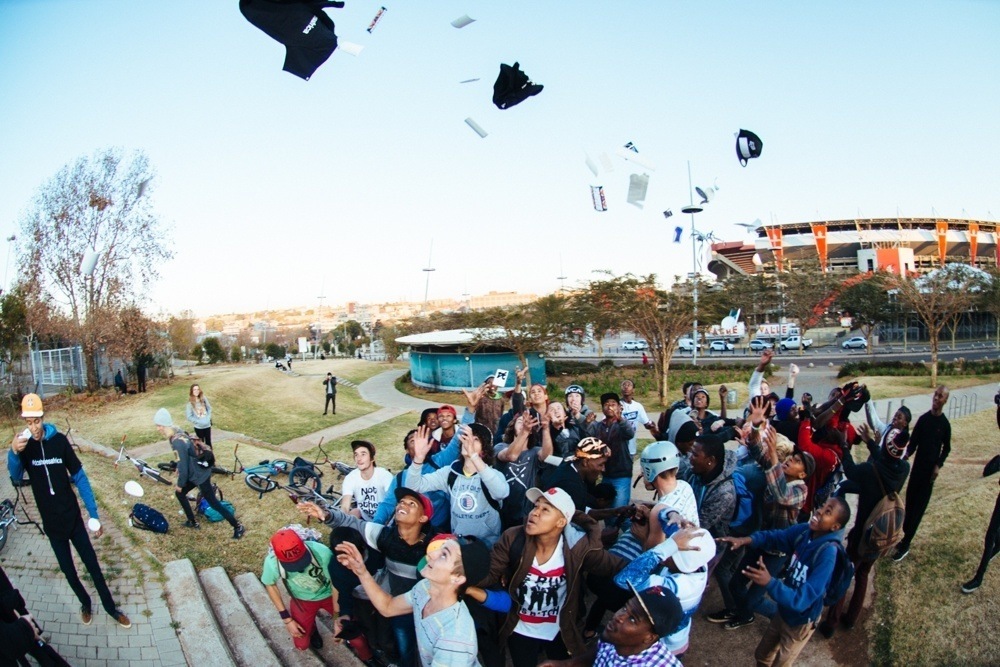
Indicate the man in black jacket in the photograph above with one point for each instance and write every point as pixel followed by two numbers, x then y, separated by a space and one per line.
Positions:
pixel 931 440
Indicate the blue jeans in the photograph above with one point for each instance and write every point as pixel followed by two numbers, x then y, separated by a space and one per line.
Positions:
pixel 623 490
pixel 406 639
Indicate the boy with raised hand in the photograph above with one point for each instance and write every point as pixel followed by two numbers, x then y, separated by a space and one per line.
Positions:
pixel 52 467
pixel 799 593
pixel 303 565
pixel 446 634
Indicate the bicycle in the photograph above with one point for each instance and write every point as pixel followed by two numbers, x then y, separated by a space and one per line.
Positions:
pixel 7 521
pixel 262 471
pixel 145 470
pixel 263 484
pixel 309 475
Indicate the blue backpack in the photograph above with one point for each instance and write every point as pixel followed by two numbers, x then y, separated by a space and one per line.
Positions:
pixel 840 578
pixel 145 517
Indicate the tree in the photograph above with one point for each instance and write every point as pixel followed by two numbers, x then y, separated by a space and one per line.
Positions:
pixel 274 351
pixel 213 350
pixel 197 352
pixel 938 296
pixel 542 326
pixel 138 336
pixel 659 316
pixel 388 335
pixel 989 300
pixel 180 331
pixel 806 293
pixel 868 302
pixel 756 295
pixel 235 355
pixel 93 205
pixel 14 331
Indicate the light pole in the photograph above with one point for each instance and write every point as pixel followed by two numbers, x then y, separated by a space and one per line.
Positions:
pixel 10 242
pixel 428 271
pixel 691 209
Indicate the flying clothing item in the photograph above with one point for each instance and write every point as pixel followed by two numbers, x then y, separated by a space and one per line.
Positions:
pixel 513 87
pixel 301 25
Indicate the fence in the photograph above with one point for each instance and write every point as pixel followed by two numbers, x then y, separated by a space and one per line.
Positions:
pixel 63 367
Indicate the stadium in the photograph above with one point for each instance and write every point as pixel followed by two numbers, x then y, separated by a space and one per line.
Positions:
pixel 850 246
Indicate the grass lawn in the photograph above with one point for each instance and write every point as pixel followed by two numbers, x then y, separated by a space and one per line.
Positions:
pixel 897 386
pixel 922 617
pixel 212 544
pixel 256 400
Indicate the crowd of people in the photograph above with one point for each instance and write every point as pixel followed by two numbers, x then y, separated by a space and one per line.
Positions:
pixel 513 531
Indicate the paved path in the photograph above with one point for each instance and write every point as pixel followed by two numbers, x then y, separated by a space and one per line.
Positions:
pixel 32 567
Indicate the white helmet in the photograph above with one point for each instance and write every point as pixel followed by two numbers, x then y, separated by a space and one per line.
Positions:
pixel 657 457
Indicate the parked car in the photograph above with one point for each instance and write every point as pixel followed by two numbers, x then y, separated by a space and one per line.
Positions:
pixel 686 345
pixel 854 343
pixel 758 345
pixel 635 345
pixel 720 346
pixel 792 343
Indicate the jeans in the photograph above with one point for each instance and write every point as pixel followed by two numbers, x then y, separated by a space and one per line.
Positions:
pixel 918 496
pixel 208 493
pixel 85 549
pixel 205 434
pixel 524 650
pixel 331 401
pixel 406 639
pixel 725 570
pixel 623 490
pixel 992 543
pixel 746 594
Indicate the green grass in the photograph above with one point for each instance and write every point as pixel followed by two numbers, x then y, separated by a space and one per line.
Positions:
pixel 256 400
pixel 921 617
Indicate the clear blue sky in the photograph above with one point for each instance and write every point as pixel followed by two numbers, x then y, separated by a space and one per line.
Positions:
pixel 278 190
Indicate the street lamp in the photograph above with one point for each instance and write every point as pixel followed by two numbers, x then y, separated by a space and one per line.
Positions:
pixel 428 271
pixel 691 209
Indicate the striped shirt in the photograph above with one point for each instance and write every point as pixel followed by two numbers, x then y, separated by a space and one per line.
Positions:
pixel 446 638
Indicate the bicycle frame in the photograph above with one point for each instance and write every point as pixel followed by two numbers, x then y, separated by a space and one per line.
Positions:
pixel 145 470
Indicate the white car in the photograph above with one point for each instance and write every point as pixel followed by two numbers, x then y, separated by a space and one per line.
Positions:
pixel 720 346
pixel 758 345
pixel 635 345
pixel 857 342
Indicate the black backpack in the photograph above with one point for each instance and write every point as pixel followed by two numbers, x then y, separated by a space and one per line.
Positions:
pixel 453 477
pixel 202 452
pixel 145 517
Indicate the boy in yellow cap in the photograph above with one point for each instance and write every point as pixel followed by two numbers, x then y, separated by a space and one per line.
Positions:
pixel 52 465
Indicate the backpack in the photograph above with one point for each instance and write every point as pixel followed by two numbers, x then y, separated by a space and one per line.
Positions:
pixel 211 513
pixel 746 515
pixel 145 517
pixel 453 477
pixel 883 529
pixel 202 452
pixel 840 578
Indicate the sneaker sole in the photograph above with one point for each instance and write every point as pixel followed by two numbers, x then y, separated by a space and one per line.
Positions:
pixel 897 559
pixel 967 591
pixel 719 620
pixel 727 626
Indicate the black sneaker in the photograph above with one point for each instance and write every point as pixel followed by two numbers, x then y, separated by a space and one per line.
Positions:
pixel 972 585
pixel 192 524
pixel 738 622
pixel 826 629
pixel 723 616
pixel 239 531
pixel 900 554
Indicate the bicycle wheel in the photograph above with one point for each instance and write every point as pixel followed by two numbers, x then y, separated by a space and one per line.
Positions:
pixel 3 537
pixel 283 466
pixel 260 483
pixel 304 477
pixel 152 474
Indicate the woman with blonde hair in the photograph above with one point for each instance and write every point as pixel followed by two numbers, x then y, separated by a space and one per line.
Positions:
pixel 199 413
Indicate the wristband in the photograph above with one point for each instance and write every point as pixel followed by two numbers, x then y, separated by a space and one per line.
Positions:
pixel 284 614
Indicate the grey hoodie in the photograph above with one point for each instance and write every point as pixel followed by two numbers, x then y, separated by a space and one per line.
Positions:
pixel 471 513
pixel 717 498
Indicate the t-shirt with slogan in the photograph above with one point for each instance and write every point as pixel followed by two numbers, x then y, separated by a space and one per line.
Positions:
pixel 368 493
pixel 446 638
pixel 542 595
pixel 311 584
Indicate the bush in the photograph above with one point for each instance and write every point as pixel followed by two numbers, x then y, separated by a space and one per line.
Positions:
pixel 197 352
pixel 275 351
pixel 572 368
pixel 915 368
pixel 235 354
pixel 213 349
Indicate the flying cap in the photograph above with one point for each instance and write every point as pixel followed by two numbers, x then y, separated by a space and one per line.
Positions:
pixel 405 492
pixel 31 406
pixel 592 448
pixel 162 418
pixel 290 550
pixel 657 457
pixel 662 608
pixel 748 146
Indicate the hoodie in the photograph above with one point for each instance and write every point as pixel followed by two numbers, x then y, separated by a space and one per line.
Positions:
pixel 52 465
pixel 716 498
pixel 800 591
pixel 583 554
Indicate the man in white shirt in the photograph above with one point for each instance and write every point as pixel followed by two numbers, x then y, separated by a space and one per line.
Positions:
pixel 366 484
pixel 634 413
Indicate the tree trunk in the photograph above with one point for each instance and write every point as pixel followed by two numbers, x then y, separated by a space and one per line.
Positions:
pixel 662 361
pixel 934 359
pixel 523 358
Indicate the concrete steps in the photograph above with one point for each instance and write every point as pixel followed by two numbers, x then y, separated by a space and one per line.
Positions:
pixel 233 623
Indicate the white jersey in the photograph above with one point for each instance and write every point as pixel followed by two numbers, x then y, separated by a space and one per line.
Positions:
pixel 367 493
pixel 634 414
